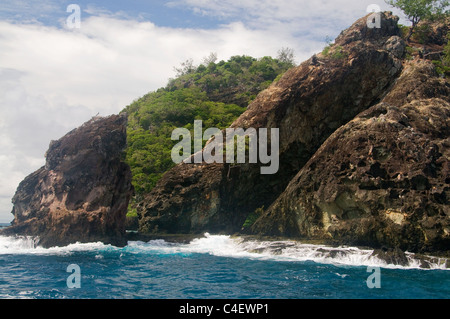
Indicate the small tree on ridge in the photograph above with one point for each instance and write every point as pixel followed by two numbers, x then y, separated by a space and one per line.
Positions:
pixel 418 10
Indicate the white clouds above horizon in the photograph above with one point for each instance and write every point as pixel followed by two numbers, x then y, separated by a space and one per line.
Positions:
pixel 53 79
pixel 264 14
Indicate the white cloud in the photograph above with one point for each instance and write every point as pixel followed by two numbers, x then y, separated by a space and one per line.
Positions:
pixel 315 19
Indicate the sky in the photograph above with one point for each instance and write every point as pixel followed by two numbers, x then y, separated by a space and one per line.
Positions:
pixel 54 76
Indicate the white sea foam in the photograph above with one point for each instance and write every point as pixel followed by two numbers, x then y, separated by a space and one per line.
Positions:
pixel 236 247
pixel 226 246
pixel 17 245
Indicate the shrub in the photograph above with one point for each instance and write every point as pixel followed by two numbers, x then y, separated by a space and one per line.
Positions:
pixel 334 52
pixel 251 219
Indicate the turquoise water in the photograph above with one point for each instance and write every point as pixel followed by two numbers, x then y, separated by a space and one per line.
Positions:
pixel 214 267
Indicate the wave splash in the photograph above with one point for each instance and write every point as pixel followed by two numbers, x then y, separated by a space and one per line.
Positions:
pixel 24 245
pixel 228 246
pixel 289 251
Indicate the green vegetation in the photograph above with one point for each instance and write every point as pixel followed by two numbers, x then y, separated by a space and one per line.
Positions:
pixel 443 65
pixel 418 10
pixel 404 30
pixel 151 122
pixel 251 219
pixel 326 50
pixel 334 52
pixel 132 211
pixel 423 14
pixel 441 68
pixel 446 58
pixel 410 52
pixel 216 93
pixel 235 81
pixel 422 33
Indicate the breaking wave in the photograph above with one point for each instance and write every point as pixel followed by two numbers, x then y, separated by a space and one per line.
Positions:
pixel 233 247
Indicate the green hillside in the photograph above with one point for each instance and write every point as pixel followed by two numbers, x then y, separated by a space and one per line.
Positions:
pixel 216 93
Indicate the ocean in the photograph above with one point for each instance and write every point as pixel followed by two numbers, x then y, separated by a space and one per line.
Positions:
pixel 213 267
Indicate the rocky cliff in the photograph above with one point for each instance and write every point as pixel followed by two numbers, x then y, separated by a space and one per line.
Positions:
pixel 363 155
pixel 82 192
pixel 381 180
pixel 308 104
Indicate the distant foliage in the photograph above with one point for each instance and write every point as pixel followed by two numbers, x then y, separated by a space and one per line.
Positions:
pixel 216 93
pixel 443 65
pixel 185 68
pixel 418 10
pixel 235 81
pixel 287 56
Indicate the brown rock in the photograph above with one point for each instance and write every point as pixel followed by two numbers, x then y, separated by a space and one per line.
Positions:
pixel 308 104
pixel 380 180
pixel 392 256
pixel 82 192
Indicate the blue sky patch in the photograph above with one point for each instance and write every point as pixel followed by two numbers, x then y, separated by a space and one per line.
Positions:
pixel 161 13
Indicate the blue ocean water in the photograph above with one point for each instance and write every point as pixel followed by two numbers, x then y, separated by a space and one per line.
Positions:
pixel 214 267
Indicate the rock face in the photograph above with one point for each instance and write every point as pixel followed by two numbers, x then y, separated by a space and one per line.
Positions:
pixel 364 155
pixel 82 192
pixel 381 180
pixel 307 104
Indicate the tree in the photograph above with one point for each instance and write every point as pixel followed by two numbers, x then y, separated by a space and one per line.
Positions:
pixel 418 10
pixel 286 55
pixel 187 67
pixel 212 58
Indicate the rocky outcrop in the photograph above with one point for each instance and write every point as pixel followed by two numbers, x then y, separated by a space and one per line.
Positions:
pixel 364 156
pixel 382 180
pixel 82 192
pixel 307 104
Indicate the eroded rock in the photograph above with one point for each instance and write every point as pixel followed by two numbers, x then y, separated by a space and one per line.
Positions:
pixel 82 192
pixel 380 180
pixel 307 104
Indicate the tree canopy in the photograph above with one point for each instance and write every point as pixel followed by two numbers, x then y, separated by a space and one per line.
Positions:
pixel 236 81
pixel 418 10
